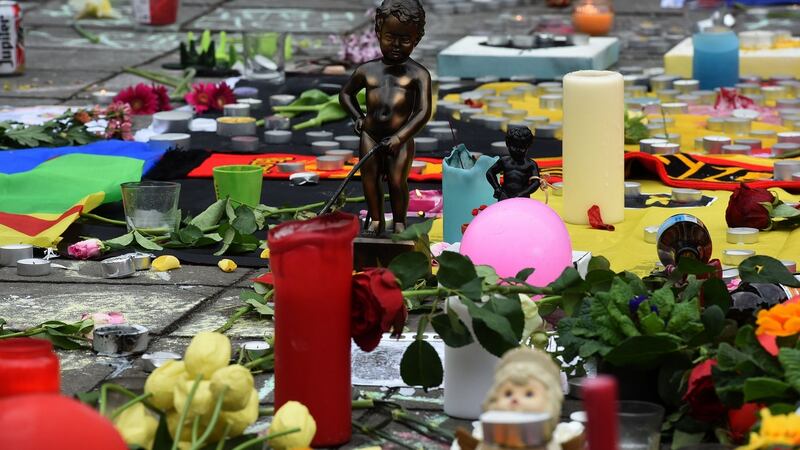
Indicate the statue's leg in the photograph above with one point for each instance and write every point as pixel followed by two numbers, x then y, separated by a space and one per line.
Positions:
pixel 373 189
pixel 399 167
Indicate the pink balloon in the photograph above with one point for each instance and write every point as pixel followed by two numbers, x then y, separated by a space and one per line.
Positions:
pixel 517 233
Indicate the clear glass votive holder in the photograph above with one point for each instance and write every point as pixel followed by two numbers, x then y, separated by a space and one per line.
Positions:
pixel 639 425
pixel 151 205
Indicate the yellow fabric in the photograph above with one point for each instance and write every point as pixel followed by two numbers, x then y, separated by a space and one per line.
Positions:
pixel 626 249
pixel 52 235
pixel 784 59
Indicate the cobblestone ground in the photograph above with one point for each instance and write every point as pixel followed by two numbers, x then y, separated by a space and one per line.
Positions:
pixel 64 68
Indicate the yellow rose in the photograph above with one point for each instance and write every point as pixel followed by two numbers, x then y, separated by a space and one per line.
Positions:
pixel 207 353
pixel 238 420
pixel 164 263
pixel 136 426
pixel 172 424
pixel 239 381
pixel 226 265
pixel 292 415
pixel 161 384
pixel 202 402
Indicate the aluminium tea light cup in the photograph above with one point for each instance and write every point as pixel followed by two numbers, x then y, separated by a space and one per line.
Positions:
pixel 120 339
pixel 742 235
pixel 636 91
pixel 501 429
pixel 790 265
pixel 236 110
pixel 118 266
pixel 748 88
pixel 153 361
pixel 783 170
pixel 277 136
pixel 320 147
pixel 773 92
pixel 705 97
pixel 315 136
pixel 442 134
pixel 523 79
pixel 551 101
pixel 141 261
pixel 783 112
pixel 291 167
pixel 728 275
pixel 735 256
pixel 645 145
pixel 689 99
pixel 633 189
pixel 236 126
pixel 494 123
pixel 281 99
pixel 784 148
pixel 665 148
pixel 33 267
pixel 304 178
pixel 254 103
pixel 686 86
pixel 714 144
pixel 497 107
pixel 244 143
pixel 662 82
pixel 754 144
pixel 171 121
pixel 675 138
pixel 544 85
pixel 763 134
pixel 341 153
pixel 468 114
pixel 172 141
pixel 418 166
pixel 651 234
pixel 473 95
pixel 348 142
pixel 245 91
pixel 660 121
pixel 328 162
pixel 103 97
pixel 715 123
pixel 437 124
pixel 10 254
pixel 668 95
pixel 487 79
pixel 549 131
pixel 736 149
pixel 789 121
pixel 536 121
pixel 787 103
pixel 789 136
pixel 498 40
pixel 499 148
pixel 277 123
pixel 558 188
pixel 426 144
pixel 253 350
pixel 698 144
pixel 523 41
pixel 675 107
pixel 515 114
pixel 579 39
pixel 686 195
pixel 736 126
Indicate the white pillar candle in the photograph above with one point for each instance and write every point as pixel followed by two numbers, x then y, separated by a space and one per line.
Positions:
pixel 594 139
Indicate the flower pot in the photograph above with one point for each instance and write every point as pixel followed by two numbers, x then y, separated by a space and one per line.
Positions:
pixel 468 372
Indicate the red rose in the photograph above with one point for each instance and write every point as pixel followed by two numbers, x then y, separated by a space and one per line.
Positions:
pixel 704 405
pixel 745 208
pixel 378 306
pixel 741 420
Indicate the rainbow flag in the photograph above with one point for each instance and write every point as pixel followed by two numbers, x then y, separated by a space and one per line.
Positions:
pixel 37 206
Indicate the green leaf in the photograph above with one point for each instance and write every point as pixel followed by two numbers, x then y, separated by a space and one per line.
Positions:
pixel 421 365
pixel 713 320
pixel 511 309
pixel 163 439
pixel 784 211
pixel 410 267
pixel 691 266
pixel 569 278
pixel 683 439
pixel 473 289
pixel 600 280
pixel 642 351
pixel 763 388
pixel 651 324
pixel 765 269
pixel 523 274
pixel 451 329
pixel 498 325
pixel 715 292
pixel 599 263
pixel 488 274
pixel 120 242
pixel 245 221
pixel 790 361
pixel 211 216
pixel 414 232
pixel 228 235
pixel 455 270
pixel 145 243
pixel 190 234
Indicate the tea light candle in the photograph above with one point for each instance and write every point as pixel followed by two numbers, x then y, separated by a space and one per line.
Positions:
pixel 675 138
pixel 348 142
pixel 437 124
pixel 714 144
pixel 636 91
pixel 141 261
pixel 783 170
pixel 742 235
pixel 668 95
pixel 499 148
pixel 651 234
pixel 548 131
pixel 418 166
pixel 236 126
pixel 665 148
pixel 120 340
pixel 171 121
pixel 734 257
pixel 33 267
pixel 645 145
pixel 320 147
pixel 662 82
pixel 291 167
pixel 675 108
pixel 515 114
pixel 328 162
pixel 254 103
pixel 153 361
pixel 244 143
pixel 442 134
pixel 594 169
pixel 103 97
pixel 551 101
pixel 689 99
pixel 787 103
pixel 346 154
pixel 536 121
pixel 277 136
pixel 314 136
pixel 118 266
pixel 773 93
pixel 171 141
pixel 277 123
pixel 705 97
pixel 497 107
pixel 686 86
pixel 748 88
pixel 281 99
pixel 715 123
pixel 784 148
pixel 304 178
pixel 632 189
pixel 736 149
pixel 426 144
pixel 10 254
pixel 494 123
pixel 736 126
pixel 763 134
pixel 754 144
pixel 469 113
pixel 686 195
pixel 789 136
pixel 236 110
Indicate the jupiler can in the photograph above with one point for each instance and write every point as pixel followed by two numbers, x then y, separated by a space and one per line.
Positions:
pixel 12 44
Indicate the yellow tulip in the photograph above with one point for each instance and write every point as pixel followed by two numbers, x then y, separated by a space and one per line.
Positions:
pixel 172 424
pixel 292 415
pixel 202 402
pixel 207 353
pixel 161 384
pixel 239 382
pixel 226 265
pixel 164 263
pixel 241 419
pixel 136 426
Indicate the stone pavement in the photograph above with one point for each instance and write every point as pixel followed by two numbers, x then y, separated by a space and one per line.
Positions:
pixel 64 68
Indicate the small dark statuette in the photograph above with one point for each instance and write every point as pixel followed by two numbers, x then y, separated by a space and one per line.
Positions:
pixel 398 106
pixel 520 173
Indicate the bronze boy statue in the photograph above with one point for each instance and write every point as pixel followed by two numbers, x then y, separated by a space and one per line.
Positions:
pixel 520 174
pixel 398 106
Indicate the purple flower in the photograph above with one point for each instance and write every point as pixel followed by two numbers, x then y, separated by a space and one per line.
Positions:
pixel 634 303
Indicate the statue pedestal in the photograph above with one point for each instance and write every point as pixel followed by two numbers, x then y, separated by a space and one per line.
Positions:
pixel 377 252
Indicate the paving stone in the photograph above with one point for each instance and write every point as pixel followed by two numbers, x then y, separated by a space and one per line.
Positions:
pixel 77 59
pixel 310 4
pixel 155 307
pixel 127 40
pixel 16 102
pixel 48 84
pixel 82 370
pixel 214 314
pixel 59 14
pixel 91 272
pixel 294 20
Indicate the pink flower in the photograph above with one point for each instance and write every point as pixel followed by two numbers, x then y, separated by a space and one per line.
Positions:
pixel 141 99
pixel 163 98
pixel 85 249
pixel 100 319
pixel 223 95
pixel 201 96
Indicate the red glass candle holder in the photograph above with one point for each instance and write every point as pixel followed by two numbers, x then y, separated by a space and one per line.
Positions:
pixel 28 365
pixel 312 262
pixel 594 17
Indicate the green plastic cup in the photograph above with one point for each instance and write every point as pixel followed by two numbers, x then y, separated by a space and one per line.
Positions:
pixel 241 183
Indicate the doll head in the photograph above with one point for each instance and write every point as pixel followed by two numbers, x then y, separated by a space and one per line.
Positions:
pixel 399 24
pixel 518 140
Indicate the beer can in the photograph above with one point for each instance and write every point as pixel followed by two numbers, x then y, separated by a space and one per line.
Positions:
pixel 12 46
pixel 682 236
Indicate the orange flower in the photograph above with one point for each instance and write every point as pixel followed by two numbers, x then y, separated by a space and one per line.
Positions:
pixel 780 320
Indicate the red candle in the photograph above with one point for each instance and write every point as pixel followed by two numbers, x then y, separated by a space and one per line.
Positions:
pixel 28 365
pixel 600 403
pixel 312 262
